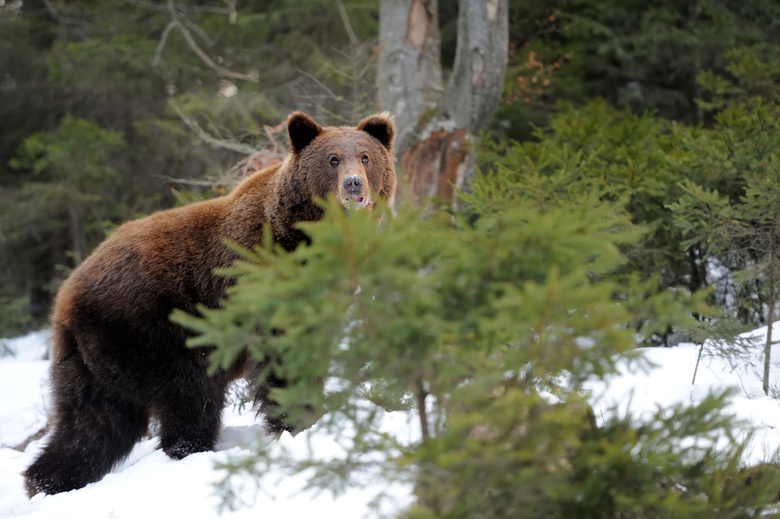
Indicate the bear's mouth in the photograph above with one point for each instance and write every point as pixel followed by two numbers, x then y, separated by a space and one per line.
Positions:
pixel 356 200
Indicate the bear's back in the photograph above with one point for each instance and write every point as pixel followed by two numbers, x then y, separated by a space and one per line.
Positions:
pixel 168 256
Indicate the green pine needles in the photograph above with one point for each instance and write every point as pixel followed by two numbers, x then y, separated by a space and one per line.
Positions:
pixel 483 333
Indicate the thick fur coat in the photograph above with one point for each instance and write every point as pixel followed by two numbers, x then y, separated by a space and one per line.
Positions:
pixel 117 358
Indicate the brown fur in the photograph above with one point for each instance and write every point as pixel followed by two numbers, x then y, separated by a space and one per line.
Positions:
pixel 118 360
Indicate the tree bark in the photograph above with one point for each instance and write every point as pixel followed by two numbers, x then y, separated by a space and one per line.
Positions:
pixel 435 167
pixel 477 79
pixel 436 125
pixel 409 65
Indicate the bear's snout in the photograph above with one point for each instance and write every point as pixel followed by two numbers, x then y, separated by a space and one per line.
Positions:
pixel 353 192
pixel 353 184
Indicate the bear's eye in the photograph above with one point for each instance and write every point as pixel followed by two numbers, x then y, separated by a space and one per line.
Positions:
pixel 364 158
pixel 334 160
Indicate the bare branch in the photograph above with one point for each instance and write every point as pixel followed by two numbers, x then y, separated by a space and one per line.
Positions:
pixel 193 45
pixel 345 20
pixel 152 6
pixel 161 45
pixel 218 143
pixel 147 5
pixel 270 133
pixel 316 81
pixel 196 183
pixel 200 32
pixel 64 20
pixel 206 59
pixel 33 437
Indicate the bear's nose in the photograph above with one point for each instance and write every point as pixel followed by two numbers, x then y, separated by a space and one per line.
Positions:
pixel 353 184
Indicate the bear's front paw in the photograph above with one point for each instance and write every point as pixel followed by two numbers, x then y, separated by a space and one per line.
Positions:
pixel 277 422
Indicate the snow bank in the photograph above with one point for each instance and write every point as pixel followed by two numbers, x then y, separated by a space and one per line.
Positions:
pixel 149 484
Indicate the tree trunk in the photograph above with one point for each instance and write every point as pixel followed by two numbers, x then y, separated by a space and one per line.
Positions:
pixel 409 64
pixel 435 125
pixel 477 79
pixel 434 167
pixel 770 311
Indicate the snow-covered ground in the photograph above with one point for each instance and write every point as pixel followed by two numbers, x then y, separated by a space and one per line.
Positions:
pixel 149 484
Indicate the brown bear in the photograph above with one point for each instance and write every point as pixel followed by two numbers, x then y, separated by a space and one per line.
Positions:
pixel 118 360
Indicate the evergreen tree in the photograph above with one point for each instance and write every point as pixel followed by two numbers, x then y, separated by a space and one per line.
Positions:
pixel 599 151
pixel 727 158
pixel 748 231
pixel 485 335
pixel 73 184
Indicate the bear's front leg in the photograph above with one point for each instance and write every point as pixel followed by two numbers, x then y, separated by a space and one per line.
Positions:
pixel 276 420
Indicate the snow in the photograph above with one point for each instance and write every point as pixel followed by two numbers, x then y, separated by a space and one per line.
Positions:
pixel 670 382
pixel 149 484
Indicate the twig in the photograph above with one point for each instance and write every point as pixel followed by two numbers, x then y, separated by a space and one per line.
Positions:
pixel 698 359
pixel 271 131
pixel 219 143
pixel 193 45
pixel 184 9
pixel 33 437
pixel 197 183
pixel 345 20
pixel 161 45
pixel 63 20
pixel 741 383
pixel 200 32
pixel 147 5
pixel 316 81
pixel 207 60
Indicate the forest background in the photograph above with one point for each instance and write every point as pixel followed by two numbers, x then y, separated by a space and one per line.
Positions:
pixel 110 110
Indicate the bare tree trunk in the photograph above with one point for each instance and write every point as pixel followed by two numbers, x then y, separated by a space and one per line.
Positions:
pixel 435 125
pixel 477 79
pixel 409 66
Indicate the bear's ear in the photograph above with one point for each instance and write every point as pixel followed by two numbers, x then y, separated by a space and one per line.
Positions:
pixel 302 130
pixel 381 127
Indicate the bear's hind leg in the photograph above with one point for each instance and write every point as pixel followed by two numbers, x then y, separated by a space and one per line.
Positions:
pixel 190 412
pixel 93 428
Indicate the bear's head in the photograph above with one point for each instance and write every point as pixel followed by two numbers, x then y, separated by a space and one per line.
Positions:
pixel 354 164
